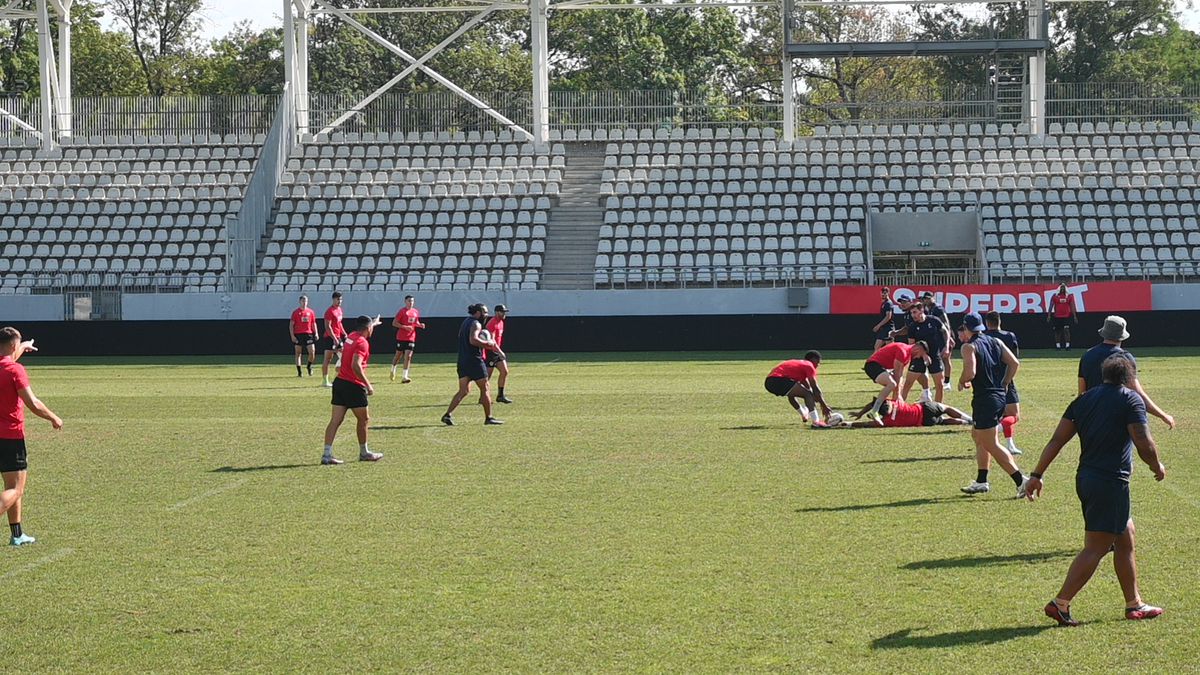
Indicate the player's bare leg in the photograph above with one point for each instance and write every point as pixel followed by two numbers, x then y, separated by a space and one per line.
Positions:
pixel 987 447
pixel 335 421
pixel 10 503
pixel 312 357
pixel 485 397
pixel 464 388
pixel 937 387
pixel 330 357
pixel 408 354
pixel 362 418
pixel 299 361
pixel 908 383
pixel 889 385
pixel 502 366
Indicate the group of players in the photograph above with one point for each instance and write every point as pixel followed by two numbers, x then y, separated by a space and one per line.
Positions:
pixel 479 355
pixel 1109 416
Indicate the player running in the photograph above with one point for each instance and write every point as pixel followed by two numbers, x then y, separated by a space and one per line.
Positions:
pixel 887 315
pixel 406 323
pixel 901 414
pixel 15 395
pixel 471 366
pixel 351 389
pixel 1012 401
pixel 334 334
pixel 497 360
pixel 988 369
pixel 303 329
pixel 887 367
pixel 797 378
pixel 1061 316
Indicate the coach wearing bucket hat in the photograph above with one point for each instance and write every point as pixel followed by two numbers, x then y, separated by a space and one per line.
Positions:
pixel 1113 333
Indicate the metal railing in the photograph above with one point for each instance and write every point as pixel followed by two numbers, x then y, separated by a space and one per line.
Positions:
pixel 172 115
pixel 245 229
pixel 1127 101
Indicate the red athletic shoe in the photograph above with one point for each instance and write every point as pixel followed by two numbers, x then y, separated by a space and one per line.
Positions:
pixel 1142 612
pixel 817 424
pixel 1063 618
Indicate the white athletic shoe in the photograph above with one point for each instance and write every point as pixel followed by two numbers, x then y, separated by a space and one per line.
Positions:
pixel 1021 487
pixel 1014 450
pixel 976 488
pixel 946 386
pixel 925 398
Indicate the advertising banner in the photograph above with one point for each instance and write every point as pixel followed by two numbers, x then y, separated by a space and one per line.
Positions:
pixel 1103 296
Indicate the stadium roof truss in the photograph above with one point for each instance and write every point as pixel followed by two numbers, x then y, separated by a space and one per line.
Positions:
pixel 54 73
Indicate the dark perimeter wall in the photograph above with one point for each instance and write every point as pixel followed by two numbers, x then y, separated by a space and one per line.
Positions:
pixel 793 332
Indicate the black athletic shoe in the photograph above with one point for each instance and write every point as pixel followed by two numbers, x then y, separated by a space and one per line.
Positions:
pixel 447 420
pixel 492 420
pixel 503 399
pixel 310 370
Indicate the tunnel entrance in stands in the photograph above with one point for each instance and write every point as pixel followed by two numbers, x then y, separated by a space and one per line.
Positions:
pixel 925 247
pixel 916 268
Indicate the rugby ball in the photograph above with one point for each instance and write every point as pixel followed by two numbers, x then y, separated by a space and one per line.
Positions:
pixel 835 418
pixel 484 335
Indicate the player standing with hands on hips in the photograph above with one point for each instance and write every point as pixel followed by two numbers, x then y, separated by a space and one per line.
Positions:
pixel 15 396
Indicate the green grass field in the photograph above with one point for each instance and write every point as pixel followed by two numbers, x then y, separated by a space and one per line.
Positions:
pixel 651 512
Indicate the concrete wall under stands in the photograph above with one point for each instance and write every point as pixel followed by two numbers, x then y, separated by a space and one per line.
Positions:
pixel 15 309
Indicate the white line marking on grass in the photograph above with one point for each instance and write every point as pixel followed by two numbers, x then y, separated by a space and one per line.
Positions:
pixel 1183 495
pixel 52 558
pixel 205 495
pixel 431 436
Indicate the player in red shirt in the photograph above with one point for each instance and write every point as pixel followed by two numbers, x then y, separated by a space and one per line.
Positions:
pixel 797 378
pixel 15 396
pixel 901 414
pixel 406 323
pixel 1062 315
pixel 351 389
pixel 303 329
pixel 497 360
pixel 334 334
pixel 887 366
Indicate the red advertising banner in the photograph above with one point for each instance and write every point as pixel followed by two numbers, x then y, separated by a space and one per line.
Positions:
pixel 1104 296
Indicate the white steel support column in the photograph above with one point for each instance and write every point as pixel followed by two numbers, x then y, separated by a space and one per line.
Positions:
pixel 539 42
pixel 789 100
pixel 45 74
pixel 301 84
pixel 290 76
pixel 65 107
pixel 1037 69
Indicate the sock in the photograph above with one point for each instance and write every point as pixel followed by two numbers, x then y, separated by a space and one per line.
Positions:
pixel 1068 345
pixel 1017 477
pixel 502 396
pixel 394 369
pixel 812 414
pixel 876 406
pixel 928 394
pixel 1008 423
pixel 981 477
pixel 329 450
pixel 406 373
pixel 298 371
pixel 16 529
pixel 363 449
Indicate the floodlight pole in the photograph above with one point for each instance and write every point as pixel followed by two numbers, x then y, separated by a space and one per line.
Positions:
pixel 539 42
pixel 65 106
pixel 300 27
pixel 45 73
pixel 789 79
pixel 1038 21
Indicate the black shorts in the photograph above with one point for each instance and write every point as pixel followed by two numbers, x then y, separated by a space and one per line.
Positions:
pixel 1105 502
pixel 884 334
pixel 328 344
pixel 494 359
pixel 987 407
pixel 1011 396
pixel 12 455
pixel 932 413
pixel 873 370
pixel 476 370
pixel 780 386
pixel 348 394
pixel 1061 323
pixel 305 339
pixel 407 346
pixel 933 367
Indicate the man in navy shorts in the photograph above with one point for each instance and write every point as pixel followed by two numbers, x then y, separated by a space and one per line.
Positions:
pixel 988 370
pixel 1110 420
pixel 471 365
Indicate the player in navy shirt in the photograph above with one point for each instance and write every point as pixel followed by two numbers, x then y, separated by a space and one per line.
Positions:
pixel 938 312
pixel 1110 420
pixel 923 328
pixel 471 366
pixel 1113 334
pixel 887 315
pixel 1012 400
pixel 988 369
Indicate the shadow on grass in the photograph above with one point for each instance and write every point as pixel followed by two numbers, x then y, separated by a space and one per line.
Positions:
pixel 984 561
pixel 909 460
pixel 890 505
pixel 758 427
pixel 268 467
pixel 959 638
pixel 401 427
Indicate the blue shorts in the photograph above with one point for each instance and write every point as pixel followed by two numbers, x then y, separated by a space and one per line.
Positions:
pixel 1105 502
pixel 987 407
pixel 476 370
pixel 1011 396
pixel 934 367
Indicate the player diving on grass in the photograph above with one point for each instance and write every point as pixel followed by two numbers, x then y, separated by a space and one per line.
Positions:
pixel 797 379
pixel 901 414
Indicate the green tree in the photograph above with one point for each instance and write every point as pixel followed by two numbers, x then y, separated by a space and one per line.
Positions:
pixel 245 61
pixel 163 34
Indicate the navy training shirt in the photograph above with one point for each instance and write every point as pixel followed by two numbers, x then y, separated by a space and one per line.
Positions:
pixel 990 367
pixel 1093 359
pixel 938 312
pixel 887 311
pixel 930 330
pixel 467 352
pixel 1009 339
pixel 1102 416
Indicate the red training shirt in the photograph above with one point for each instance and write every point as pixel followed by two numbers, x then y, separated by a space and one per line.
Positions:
pixel 888 355
pixel 333 323
pixel 907 415
pixel 355 344
pixel 408 320
pixel 1062 306
pixel 797 370
pixel 13 378
pixel 304 321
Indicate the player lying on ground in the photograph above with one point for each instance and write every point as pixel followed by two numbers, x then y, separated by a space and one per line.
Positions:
pixel 901 414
